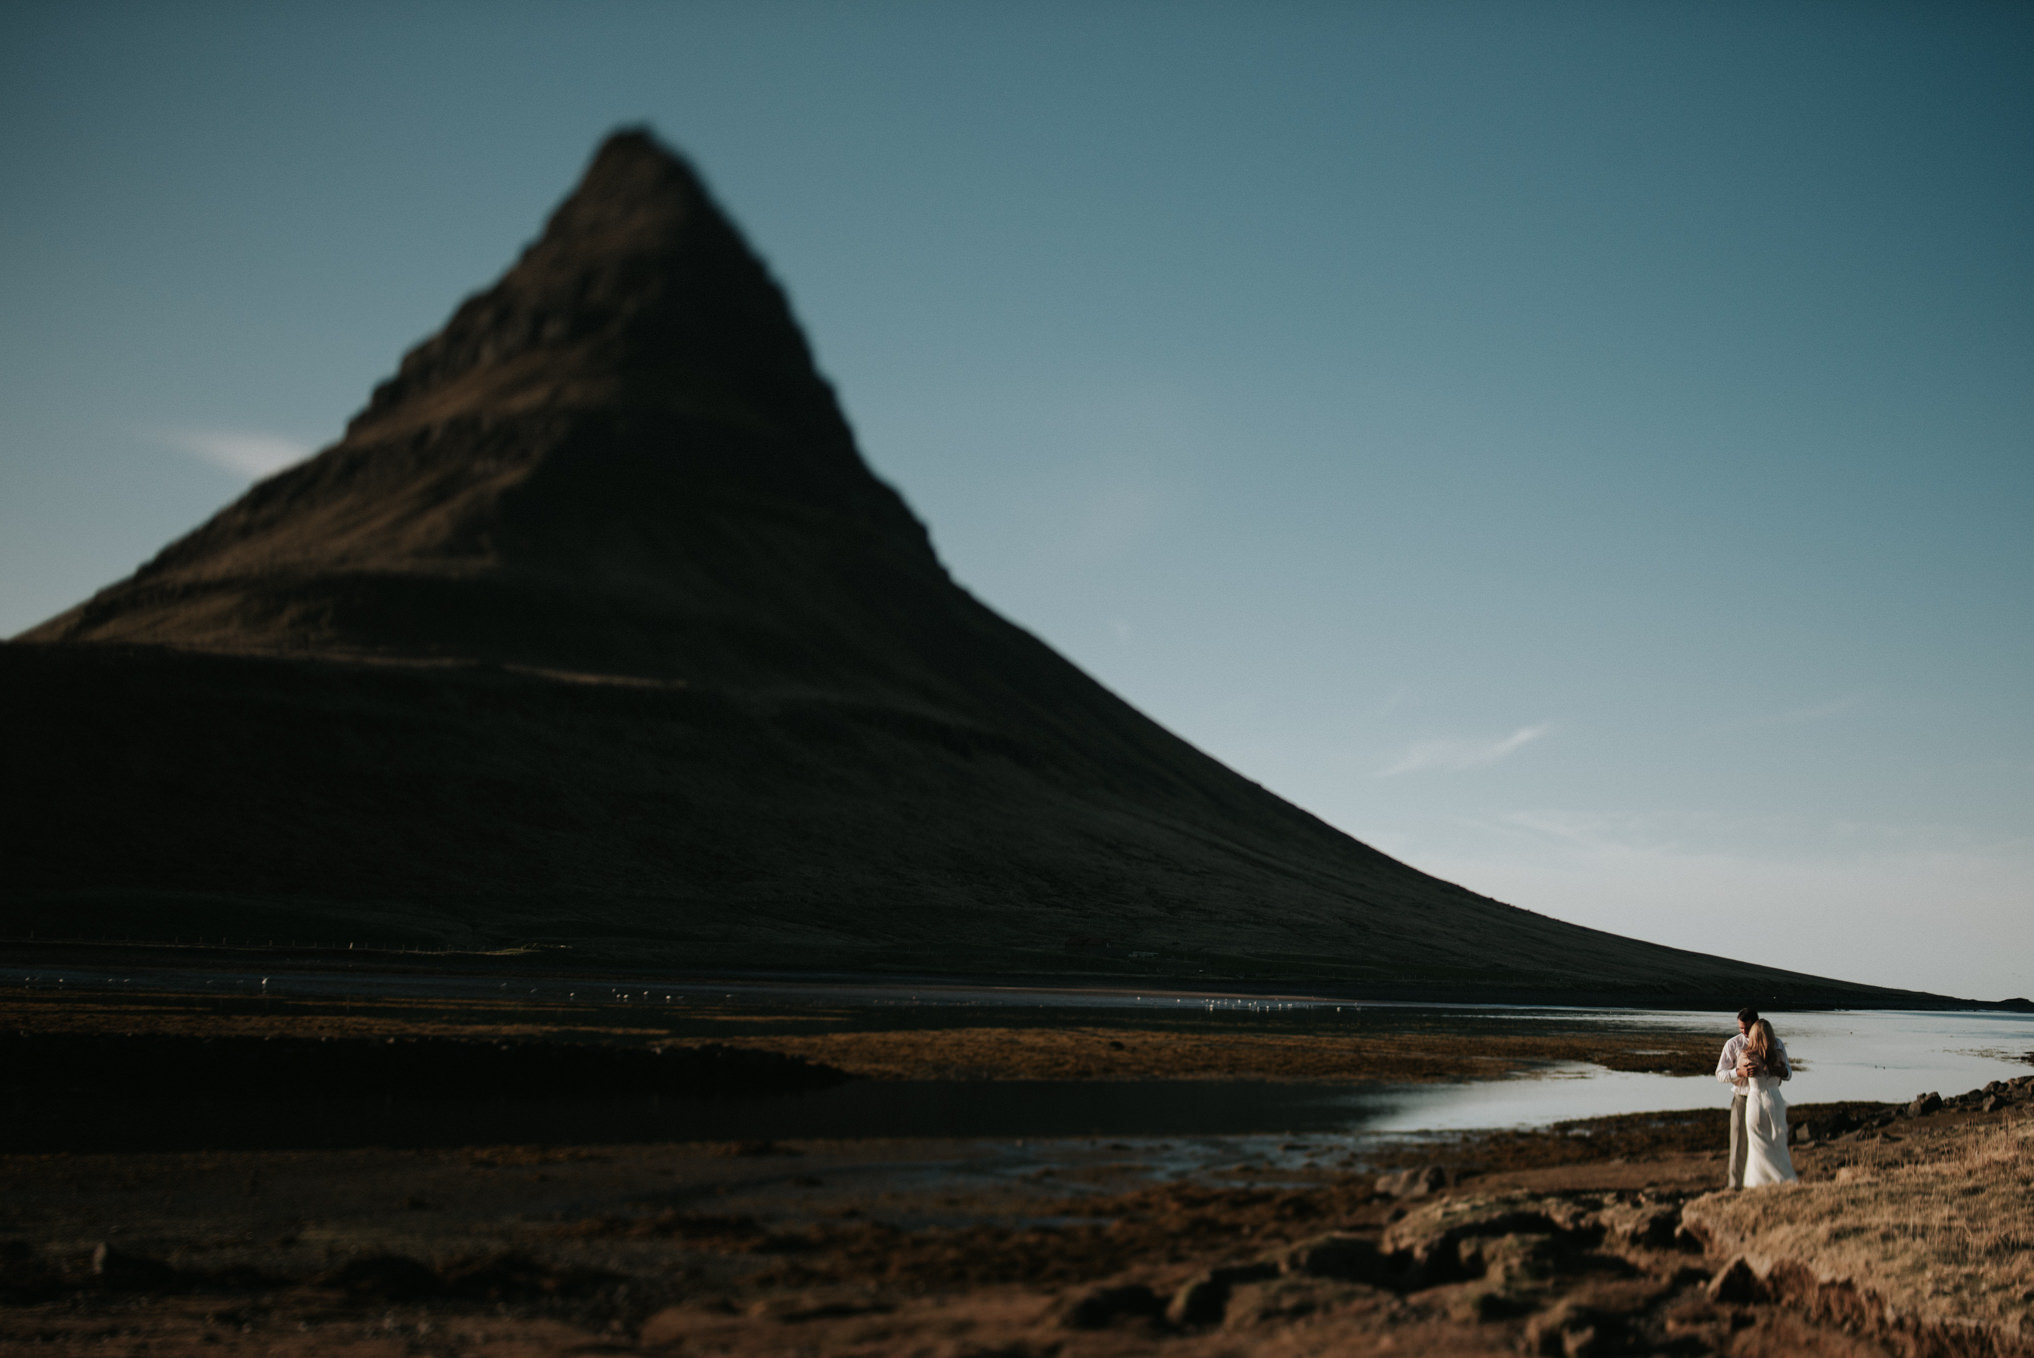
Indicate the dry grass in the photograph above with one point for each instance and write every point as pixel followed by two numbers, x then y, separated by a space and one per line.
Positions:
pixel 1939 1224
pixel 1127 1053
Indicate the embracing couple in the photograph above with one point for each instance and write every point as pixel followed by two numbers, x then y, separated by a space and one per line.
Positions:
pixel 1754 1063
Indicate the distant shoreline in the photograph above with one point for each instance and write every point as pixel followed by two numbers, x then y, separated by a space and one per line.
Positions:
pixel 389 970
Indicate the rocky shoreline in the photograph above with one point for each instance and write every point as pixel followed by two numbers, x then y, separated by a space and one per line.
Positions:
pixel 1597 1238
pixel 140 1228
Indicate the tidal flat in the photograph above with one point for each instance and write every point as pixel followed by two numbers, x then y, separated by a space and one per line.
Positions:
pixel 1197 1038
pixel 165 1070
pixel 1597 1235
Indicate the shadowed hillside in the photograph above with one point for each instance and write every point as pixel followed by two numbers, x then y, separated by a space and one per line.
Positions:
pixel 595 629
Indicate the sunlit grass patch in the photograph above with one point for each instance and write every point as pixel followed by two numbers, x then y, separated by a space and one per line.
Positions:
pixel 1939 1224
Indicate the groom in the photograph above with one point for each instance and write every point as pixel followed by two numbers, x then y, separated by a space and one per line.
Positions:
pixel 1732 1069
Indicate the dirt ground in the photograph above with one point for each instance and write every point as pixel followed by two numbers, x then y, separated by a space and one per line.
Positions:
pixel 934 1042
pixel 1567 1241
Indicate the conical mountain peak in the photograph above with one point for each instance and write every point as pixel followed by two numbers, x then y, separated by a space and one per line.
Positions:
pixel 661 672
pixel 621 439
pixel 640 292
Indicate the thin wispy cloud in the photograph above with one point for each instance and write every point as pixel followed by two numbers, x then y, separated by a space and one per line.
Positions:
pixel 242 452
pixel 1452 756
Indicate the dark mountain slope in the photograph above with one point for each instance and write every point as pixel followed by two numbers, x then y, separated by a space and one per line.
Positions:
pixel 595 629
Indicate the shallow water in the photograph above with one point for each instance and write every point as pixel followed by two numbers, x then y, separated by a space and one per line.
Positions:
pixel 1877 1055
pixel 1043 1110
pixel 1838 1055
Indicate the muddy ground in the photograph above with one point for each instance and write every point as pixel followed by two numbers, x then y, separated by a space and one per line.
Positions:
pixel 929 1042
pixel 1567 1241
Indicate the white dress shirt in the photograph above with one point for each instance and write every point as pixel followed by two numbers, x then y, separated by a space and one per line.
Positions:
pixel 1733 1053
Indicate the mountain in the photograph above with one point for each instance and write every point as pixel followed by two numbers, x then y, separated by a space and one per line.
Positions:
pixel 595 631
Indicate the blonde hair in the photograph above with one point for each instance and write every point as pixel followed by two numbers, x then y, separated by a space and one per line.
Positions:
pixel 1759 1042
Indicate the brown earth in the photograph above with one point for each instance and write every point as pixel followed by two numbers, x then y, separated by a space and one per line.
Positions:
pixel 1567 1241
pixel 1595 1237
pixel 1107 1053
pixel 1394 1045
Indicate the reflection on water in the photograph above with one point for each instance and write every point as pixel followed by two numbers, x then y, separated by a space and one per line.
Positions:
pixel 1873 1056
pixel 860 1109
pixel 1883 1056
pixel 1839 1055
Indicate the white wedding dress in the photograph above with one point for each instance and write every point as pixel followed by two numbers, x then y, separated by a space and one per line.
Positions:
pixel 1765 1128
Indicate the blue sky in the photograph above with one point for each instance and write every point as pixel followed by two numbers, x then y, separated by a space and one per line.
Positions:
pixel 1585 450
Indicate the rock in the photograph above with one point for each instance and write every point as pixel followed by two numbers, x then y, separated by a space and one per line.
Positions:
pixel 1582 1342
pixel 1348 1257
pixel 133 1272
pixel 1280 1302
pixel 1924 1104
pixel 666 1327
pixel 1100 1307
pixel 1569 1331
pixel 798 1310
pixel 1199 1301
pixel 1735 1284
pixel 391 1277
pixel 26 1276
pixel 1484 1304
pixel 1431 1240
pixel 1825 1128
pixel 1509 1261
pixel 1413 1183
pixel 1992 1104
pixel 1643 1225
pixel 1202 1299
pixel 512 1274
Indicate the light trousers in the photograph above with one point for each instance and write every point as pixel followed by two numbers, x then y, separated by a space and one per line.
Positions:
pixel 1739 1142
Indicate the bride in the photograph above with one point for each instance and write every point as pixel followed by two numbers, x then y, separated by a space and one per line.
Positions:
pixel 1765 1110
